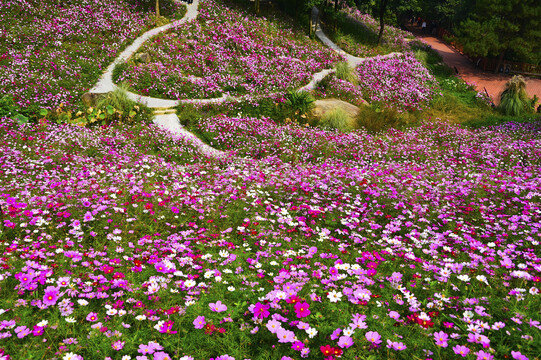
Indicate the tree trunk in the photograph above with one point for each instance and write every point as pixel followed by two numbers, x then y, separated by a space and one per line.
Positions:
pixel 382 7
pixel 500 61
pixel 257 7
pixel 157 9
pixel 335 4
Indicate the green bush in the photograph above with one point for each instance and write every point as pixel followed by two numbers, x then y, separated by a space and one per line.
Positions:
pixel 336 119
pixel 346 72
pixel 375 120
pixel 514 100
pixel 298 104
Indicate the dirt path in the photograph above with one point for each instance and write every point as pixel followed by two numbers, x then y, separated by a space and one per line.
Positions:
pixel 493 83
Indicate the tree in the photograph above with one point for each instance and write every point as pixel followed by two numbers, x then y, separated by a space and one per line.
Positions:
pixel 498 26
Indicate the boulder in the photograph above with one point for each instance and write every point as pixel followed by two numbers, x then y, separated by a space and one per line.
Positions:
pixel 321 107
pixel 143 57
pixel 89 99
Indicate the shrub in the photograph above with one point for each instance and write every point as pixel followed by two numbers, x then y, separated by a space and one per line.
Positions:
pixel 375 120
pixel 336 119
pixel 298 104
pixel 346 72
pixel 514 100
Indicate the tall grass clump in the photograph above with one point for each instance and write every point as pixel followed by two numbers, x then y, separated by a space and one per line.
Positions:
pixel 336 119
pixel 375 120
pixel 514 100
pixel 347 73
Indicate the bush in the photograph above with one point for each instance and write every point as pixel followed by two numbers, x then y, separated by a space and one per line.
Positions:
pixel 375 120
pixel 514 100
pixel 346 72
pixel 298 104
pixel 336 119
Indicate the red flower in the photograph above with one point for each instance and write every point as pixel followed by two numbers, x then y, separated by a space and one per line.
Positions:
pixel 327 350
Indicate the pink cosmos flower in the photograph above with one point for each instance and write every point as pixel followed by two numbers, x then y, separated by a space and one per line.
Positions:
pixel 345 341
pixel 297 345
pixel 166 327
pixel 199 322
pixel 461 350
pixel 22 331
pixel 218 306
pixel 517 355
pixel 51 295
pixel 145 349
pixel 482 355
pixel 261 310
pixel 161 356
pixel 92 317
pixel 441 338
pixel 118 345
pixel 285 336
pixel 373 337
pixel 302 309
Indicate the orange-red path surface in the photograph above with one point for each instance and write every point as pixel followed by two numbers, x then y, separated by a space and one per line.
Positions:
pixel 494 83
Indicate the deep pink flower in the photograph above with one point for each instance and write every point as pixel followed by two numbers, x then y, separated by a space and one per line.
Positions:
pixel 199 322
pixel 261 310
pixel 51 295
pixel 302 309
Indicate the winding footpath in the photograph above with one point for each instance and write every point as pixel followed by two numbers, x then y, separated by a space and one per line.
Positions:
pixel 164 112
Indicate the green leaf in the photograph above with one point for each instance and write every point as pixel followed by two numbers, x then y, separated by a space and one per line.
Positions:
pixel 43 112
pixel 110 110
pixel 102 116
pixel 21 119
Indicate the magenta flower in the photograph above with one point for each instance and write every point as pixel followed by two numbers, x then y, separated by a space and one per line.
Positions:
pixel 482 355
pixel 373 337
pixel 297 345
pixel 92 317
pixel 399 346
pixel 118 345
pixel 199 322
pixel 161 356
pixel 461 350
pixel 37 331
pixel 345 341
pixel 145 349
pixel 51 295
pixel 261 310
pixel 302 309
pixel 166 327
pixel 441 338
pixel 22 331
pixel 517 355
pixel 218 306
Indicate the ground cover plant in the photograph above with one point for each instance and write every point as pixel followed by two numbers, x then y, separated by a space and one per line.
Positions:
pixel 226 50
pixel 319 244
pixel 399 81
pixel 52 52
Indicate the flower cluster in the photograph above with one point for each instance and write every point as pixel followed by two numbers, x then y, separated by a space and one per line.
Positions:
pixel 399 81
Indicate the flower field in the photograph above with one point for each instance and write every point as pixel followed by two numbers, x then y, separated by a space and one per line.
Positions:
pixel 226 50
pixel 398 81
pixel 126 242
pixel 50 54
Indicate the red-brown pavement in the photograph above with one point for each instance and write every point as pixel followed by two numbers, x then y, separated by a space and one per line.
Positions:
pixel 493 83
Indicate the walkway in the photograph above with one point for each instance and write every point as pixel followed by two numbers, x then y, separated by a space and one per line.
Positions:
pixel 493 83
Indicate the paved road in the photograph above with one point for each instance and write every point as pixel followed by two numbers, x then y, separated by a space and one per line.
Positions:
pixel 494 83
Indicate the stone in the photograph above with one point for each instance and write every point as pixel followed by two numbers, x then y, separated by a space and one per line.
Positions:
pixel 321 107
pixel 143 57
pixel 89 99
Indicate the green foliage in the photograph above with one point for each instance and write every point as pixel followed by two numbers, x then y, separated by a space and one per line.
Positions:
pixel 118 70
pixel 514 100
pixel 336 119
pixel 346 72
pixel 8 109
pixel 375 120
pixel 298 104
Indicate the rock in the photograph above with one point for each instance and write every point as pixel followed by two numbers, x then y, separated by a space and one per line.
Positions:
pixel 143 57
pixel 89 99
pixel 321 107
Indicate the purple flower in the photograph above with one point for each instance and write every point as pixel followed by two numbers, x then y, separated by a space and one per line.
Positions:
pixel 285 336
pixel 145 349
pixel 199 322
pixel 161 356
pixel 22 331
pixel 335 334
pixel 482 355
pixel 218 306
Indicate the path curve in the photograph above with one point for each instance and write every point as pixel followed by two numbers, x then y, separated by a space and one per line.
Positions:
pixel 170 121
pixel 493 83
